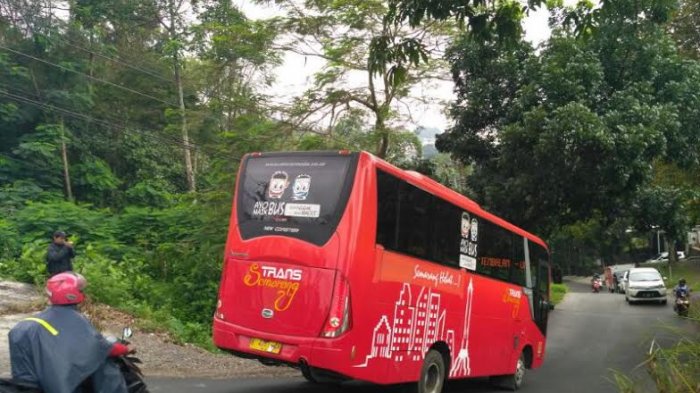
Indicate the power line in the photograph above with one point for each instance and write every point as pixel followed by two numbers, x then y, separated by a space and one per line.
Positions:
pixel 121 128
pixel 132 90
pixel 114 121
pixel 127 89
pixel 118 123
pixel 112 59
pixel 207 116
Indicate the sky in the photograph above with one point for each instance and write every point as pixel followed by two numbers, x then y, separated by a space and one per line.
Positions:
pixel 295 75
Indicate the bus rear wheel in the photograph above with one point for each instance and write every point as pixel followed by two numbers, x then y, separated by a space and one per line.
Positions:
pixel 319 376
pixel 433 374
pixel 513 381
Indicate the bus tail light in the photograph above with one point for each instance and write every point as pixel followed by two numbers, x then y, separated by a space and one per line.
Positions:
pixel 339 318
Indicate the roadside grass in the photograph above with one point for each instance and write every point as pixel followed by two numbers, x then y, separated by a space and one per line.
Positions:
pixel 688 269
pixel 557 292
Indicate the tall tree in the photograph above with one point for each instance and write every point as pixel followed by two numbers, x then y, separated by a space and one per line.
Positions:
pixel 685 28
pixel 342 33
pixel 571 133
pixel 173 22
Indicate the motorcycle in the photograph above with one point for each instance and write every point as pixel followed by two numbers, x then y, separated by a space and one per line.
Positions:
pixel 682 305
pixel 128 365
pixel 596 285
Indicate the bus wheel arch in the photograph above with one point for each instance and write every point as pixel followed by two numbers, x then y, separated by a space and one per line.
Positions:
pixel 514 381
pixel 528 356
pixel 435 369
pixel 444 350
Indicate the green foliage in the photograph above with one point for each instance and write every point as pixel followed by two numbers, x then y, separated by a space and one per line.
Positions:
pixel 9 239
pixel 37 221
pixel 571 134
pixel 558 291
pixel 353 40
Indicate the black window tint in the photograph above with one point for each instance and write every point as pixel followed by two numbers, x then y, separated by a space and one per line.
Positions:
pixel 539 259
pixel 495 254
pixel 414 222
pixel 517 270
pixel 300 195
pixel 387 210
pixel 446 221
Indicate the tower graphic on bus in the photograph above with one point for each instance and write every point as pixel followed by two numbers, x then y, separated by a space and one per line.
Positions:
pixel 416 324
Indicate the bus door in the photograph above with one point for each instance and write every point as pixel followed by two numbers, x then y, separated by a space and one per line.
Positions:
pixel 539 260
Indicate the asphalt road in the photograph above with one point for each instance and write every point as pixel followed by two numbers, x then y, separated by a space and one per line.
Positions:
pixel 590 336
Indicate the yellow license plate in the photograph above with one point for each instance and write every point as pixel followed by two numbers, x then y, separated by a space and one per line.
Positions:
pixel 265 346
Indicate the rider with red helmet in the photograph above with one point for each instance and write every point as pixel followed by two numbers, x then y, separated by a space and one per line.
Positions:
pixel 58 349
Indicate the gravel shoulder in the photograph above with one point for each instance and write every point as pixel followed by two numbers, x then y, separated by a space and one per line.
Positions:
pixel 161 356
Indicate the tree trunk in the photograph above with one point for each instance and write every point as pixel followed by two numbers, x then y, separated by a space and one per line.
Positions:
pixel 383 145
pixel 191 182
pixel 189 172
pixel 66 170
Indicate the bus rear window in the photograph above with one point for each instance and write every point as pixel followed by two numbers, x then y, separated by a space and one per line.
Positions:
pixel 300 195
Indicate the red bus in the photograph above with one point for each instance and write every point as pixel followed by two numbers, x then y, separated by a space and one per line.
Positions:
pixel 347 267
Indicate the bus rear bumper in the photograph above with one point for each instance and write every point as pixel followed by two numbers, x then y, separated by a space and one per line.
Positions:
pixel 294 351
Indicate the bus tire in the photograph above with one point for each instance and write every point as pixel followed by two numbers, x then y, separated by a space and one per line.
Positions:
pixel 433 374
pixel 513 381
pixel 306 373
pixel 319 376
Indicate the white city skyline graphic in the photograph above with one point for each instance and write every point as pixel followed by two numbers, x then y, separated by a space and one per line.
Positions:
pixel 416 324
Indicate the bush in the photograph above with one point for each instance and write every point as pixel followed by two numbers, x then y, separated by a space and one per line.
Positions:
pixel 557 292
pixel 163 265
pixel 30 267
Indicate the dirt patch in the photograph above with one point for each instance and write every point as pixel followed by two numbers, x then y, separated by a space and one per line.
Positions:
pixel 160 354
pixel 16 298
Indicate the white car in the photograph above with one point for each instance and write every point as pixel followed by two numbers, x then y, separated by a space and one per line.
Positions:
pixel 644 284
pixel 663 257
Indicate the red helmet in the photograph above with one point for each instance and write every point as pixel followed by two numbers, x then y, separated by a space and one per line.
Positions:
pixel 66 288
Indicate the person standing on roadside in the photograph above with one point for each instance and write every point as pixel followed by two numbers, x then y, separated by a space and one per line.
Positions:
pixel 59 255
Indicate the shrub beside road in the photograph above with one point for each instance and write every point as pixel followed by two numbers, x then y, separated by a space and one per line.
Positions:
pixel 557 292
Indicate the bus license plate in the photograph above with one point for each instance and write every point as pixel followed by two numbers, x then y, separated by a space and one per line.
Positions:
pixel 265 346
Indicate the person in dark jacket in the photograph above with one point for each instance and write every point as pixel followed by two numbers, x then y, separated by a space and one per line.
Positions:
pixel 58 349
pixel 59 255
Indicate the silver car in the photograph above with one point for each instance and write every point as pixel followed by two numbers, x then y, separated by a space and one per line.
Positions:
pixel 645 284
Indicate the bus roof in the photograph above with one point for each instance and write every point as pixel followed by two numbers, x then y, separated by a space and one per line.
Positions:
pixel 426 183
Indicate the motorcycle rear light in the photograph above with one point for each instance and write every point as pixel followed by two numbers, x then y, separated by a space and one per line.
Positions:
pixel 339 318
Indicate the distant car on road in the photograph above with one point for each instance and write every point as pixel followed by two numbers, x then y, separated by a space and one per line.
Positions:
pixel 620 288
pixel 663 257
pixel 644 284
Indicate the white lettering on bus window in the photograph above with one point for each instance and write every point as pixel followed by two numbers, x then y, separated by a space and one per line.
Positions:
pixel 262 208
pixel 467 262
pixel 308 210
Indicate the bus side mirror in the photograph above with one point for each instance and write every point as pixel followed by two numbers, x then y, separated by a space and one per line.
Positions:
pixel 550 306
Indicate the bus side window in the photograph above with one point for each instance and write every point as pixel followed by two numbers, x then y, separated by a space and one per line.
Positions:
pixel 517 269
pixel 414 222
pixel 387 210
pixel 445 227
pixel 495 255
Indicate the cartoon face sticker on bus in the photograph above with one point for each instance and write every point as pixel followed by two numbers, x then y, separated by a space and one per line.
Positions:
pixel 474 230
pixel 302 185
pixel 466 225
pixel 278 183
